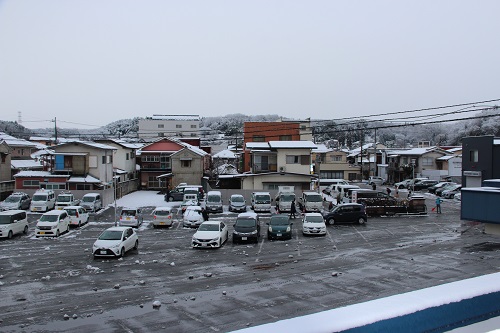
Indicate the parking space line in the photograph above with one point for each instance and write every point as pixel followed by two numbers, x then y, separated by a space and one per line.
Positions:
pixel 298 244
pixel 260 246
pixel 363 236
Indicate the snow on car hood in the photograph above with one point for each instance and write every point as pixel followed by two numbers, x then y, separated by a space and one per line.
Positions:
pixel 206 234
pixel 106 244
pixel 45 224
pixel 314 224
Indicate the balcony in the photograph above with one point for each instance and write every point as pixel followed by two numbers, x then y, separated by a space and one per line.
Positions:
pixel 264 167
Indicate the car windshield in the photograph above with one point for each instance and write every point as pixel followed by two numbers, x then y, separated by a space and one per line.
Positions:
pixel 64 198
pixel 4 219
pixel 314 219
pixel 161 212
pixel 287 197
pixel 39 197
pixel 213 198
pixel 314 198
pixel 245 222
pixel 49 218
pixel 111 235
pixel 208 227
pixel 262 199
pixel 128 212
pixel 13 198
pixel 279 220
pixel 237 199
pixel 71 211
pixel 88 199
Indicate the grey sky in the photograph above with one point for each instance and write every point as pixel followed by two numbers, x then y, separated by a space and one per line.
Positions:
pixel 93 61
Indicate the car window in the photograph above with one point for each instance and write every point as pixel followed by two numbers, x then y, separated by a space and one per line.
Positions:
pixel 347 209
pixel 111 235
pixel 245 222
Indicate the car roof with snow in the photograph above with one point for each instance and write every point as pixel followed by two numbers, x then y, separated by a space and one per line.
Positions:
pixel 166 208
pixel 313 214
pixel 54 212
pixel 118 228
pixel 248 214
pixel 73 207
pixel 212 222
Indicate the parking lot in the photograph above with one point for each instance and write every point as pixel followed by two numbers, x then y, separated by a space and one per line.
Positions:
pixel 55 285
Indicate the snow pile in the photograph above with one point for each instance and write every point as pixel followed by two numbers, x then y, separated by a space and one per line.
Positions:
pixel 144 199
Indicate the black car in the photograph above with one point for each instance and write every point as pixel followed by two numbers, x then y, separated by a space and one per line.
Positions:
pixel 440 190
pixel 424 184
pixel 432 189
pixel 246 228
pixel 177 194
pixel 346 213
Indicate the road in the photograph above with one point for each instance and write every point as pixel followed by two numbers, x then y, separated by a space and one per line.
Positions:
pixel 220 290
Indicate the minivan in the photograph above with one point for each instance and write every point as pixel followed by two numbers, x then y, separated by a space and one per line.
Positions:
pixel 237 203
pixel 91 202
pixel 13 222
pixel 246 228
pixel 214 202
pixel 43 201
pixel 52 224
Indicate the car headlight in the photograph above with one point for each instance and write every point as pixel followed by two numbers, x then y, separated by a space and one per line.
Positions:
pixel 270 229
pixel 54 226
pixel 236 232
pixel 215 239
pixel 114 247
pixel 253 232
pixel 288 229
pixel 3 227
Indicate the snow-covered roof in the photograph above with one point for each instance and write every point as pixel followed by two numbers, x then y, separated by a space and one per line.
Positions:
pixel 225 154
pixel 45 174
pixel 414 151
pixel 321 148
pixel 496 142
pixel 88 179
pixel 174 117
pixel 453 150
pixel 131 145
pixel 226 169
pixel 292 144
pixel 25 164
pixel 42 152
pixel 257 145
pixel 448 157
pixel 119 171
pixel 88 143
pixel 15 142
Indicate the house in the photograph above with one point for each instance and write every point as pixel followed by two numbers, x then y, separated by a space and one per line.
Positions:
pixel 167 162
pixel 20 148
pixel 277 163
pixel 169 126
pixel 333 164
pixel 370 158
pixel 6 182
pixel 124 158
pixel 480 159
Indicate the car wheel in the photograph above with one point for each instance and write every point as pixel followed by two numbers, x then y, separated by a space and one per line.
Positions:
pixel 25 231
pixel 57 233
pixel 67 228
pixel 331 221
pixel 170 199
pixel 361 220
pixel 136 246
pixel 122 252
pixel 9 236
pixel 154 226
pixel 79 224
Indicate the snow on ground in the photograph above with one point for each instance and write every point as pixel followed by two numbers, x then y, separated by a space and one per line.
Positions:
pixel 144 199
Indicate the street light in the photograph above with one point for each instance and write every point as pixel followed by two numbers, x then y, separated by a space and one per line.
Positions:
pixel 413 174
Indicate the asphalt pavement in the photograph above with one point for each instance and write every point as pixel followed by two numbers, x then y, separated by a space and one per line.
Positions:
pixel 55 285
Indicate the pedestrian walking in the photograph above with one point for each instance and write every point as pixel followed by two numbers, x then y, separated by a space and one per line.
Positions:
pixel 293 209
pixel 204 213
pixel 438 205
pixel 330 205
pixel 339 198
pixel 374 186
pixel 388 190
pixel 396 191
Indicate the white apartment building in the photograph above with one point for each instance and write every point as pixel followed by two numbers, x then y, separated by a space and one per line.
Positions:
pixel 169 126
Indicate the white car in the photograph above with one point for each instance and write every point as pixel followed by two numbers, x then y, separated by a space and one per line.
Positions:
pixel 313 224
pixel 13 222
pixel 210 234
pixel 52 223
pixel 192 217
pixel 130 217
pixel 162 217
pixel 78 215
pixel 115 241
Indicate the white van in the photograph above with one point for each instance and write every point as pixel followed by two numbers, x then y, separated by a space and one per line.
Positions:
pixel 43 201
pixel 342 190
pixel 261 201
pixel 214 202
pixel 326 185
pixel 13 222
pixel 311 201
pixel 91 202
pixel 52 224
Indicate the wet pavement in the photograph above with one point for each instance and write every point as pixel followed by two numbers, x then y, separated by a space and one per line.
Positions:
pixel 55 285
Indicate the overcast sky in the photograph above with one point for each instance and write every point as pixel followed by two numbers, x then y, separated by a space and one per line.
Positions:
pixel 96 61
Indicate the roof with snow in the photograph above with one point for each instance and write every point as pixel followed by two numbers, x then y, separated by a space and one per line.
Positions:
pixel 174 117
pixel 87 179
pixel 257 145
pixel 416 151
pixel 321 148
pixel 225 154
pixel 15 142
pixel 87 143
pixel 292 144
pixel 25 164
pixel 45 174
pixel 448 157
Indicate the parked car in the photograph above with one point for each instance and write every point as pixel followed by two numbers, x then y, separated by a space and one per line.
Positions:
pixel 433 189
pixel 415 181
pixel 115 242
pixel 214 202
pixel 210 234
pixel 261 201
pixel 177 194
pixel 193 217
pixel 65 199
pixel 313 224
pixel 280 226
pixel 131 217
pixel 458 196
pixel 440 190
pixel 246 228
pixel 52 224
pixel 17 200
pixel 424 184
pixel 162 217
pixel 450 193
pixel 376 180
pixel 91 202
pixel 78 216
pixel 13 222
pixel 403 184
pixel 43 201
pixel 190 199
pixel 345 213
pixel 237 203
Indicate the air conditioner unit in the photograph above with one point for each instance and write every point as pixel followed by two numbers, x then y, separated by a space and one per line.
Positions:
pixel 282 169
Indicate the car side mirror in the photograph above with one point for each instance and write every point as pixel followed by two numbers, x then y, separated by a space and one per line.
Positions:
pixel 125 237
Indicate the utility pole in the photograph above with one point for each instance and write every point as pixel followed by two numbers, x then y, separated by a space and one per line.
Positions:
pixel 55 130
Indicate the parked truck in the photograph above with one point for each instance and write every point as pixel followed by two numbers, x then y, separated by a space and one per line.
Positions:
pixel 65 199
pixel 311 202
pixel 284 198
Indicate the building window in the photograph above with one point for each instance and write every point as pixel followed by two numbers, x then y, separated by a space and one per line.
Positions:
pixel 127 156
pixel 150 158
pixel 161 125
pixel 55 186
pixel 193 126
pixel 427 161
pixel 161 134
pixel 31 183
pixel 331 175
pixel 84 187
pixel 292 159
pixel 285 138
pixel 178 126
pixel 336 158
pixel 193 134
pixel 259 138
pixel 474 156
pixel 186 163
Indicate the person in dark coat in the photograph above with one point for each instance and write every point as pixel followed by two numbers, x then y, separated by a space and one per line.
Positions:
pixel 293 209
pixel 204 213
pixel 374 186
pixel 388 191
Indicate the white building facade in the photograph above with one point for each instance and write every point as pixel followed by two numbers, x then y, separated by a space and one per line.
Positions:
pixel 169 126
